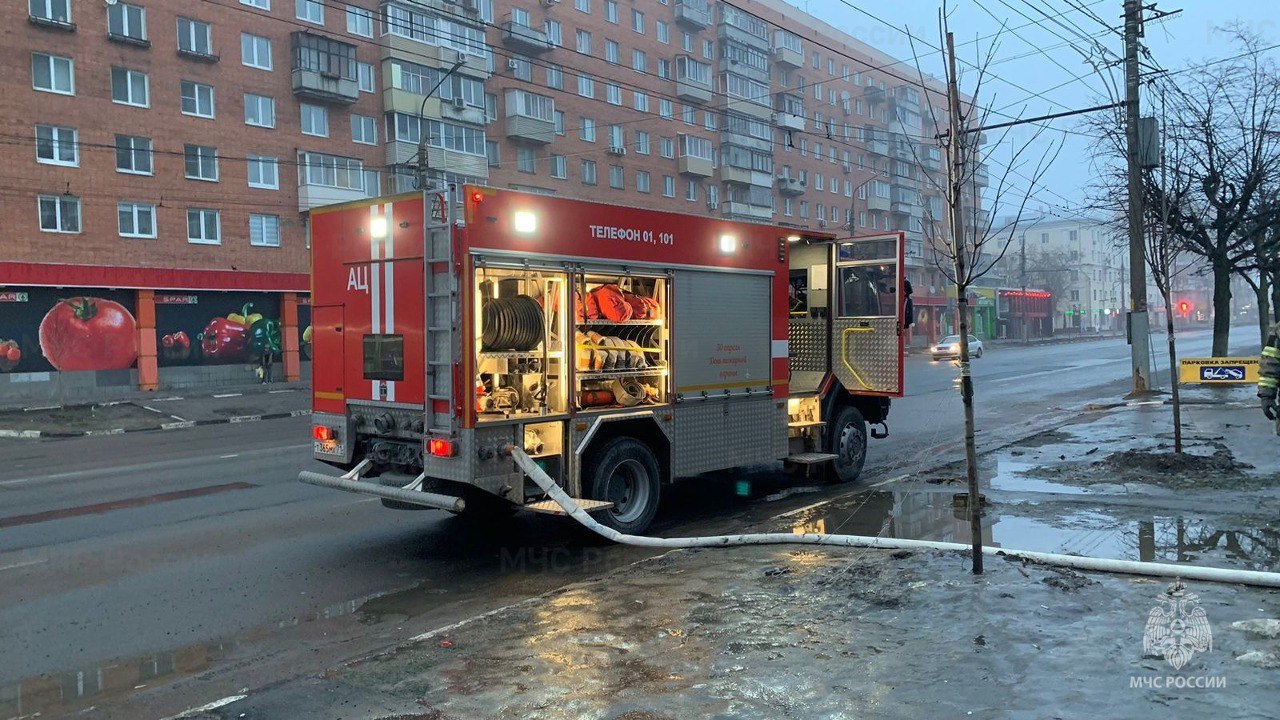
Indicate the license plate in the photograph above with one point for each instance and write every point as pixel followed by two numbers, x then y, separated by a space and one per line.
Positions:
pixel 329 447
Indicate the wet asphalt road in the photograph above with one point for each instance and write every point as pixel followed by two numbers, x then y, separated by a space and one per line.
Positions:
pixel 196 556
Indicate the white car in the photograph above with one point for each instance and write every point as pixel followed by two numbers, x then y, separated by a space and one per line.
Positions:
pixel 949 347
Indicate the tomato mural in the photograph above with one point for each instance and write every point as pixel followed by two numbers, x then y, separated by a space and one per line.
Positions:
pixel 89 333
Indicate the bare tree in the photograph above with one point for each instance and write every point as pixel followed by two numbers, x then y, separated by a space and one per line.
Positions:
pixel 973 244
pixel 1218 198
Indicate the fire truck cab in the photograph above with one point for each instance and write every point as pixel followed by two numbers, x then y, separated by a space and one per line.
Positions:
pixel 621 348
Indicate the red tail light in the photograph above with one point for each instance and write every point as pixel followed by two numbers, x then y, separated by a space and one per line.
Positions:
pixel 321 432
pixel 440 448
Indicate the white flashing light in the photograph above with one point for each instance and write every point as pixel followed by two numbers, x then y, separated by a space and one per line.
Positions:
pixel 793 238
pixel 728 244
pixel 525 222
pixel 378 227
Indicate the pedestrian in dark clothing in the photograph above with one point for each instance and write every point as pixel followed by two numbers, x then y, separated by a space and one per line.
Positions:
pixel 268 358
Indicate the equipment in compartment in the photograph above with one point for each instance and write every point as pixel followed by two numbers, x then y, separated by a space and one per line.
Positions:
pixel 511 323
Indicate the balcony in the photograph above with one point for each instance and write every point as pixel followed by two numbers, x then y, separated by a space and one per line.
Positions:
pixel 324 69
pixel 787 50
pixel 878 146
pixel 690 87
pixel 878 203
pixel 749 107
pixel 907 208
pixel 873 94
pixel 400 47
pixel 732 209
pixel 314 196
pixel 400 152
pixel 790 186
pixel 695 14
pixel 787 121
pixel 696 166
pixel 746 176
pixel 524 38
pixel 530 129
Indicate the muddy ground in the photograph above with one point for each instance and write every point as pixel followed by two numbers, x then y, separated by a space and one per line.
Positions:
pixel 784 633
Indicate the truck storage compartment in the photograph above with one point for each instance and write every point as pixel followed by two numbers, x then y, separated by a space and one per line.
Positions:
pixel 520 350
pixel 620 340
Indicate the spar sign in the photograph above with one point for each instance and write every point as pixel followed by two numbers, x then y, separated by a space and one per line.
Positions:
pixel 1218 370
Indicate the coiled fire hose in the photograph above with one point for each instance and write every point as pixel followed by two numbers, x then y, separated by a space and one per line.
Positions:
pixel 1129 567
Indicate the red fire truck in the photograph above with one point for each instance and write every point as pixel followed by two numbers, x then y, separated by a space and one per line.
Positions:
pixel 622 348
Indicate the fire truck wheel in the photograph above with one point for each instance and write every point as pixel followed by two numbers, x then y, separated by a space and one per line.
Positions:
pixel 625 472
pixel 847 438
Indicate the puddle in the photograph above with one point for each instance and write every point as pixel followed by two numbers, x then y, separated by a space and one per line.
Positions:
pixel 1124 534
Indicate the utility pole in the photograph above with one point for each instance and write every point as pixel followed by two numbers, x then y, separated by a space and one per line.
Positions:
pixel 1023 262
pixel 955 182
pixel 1139 328
pixel 422 124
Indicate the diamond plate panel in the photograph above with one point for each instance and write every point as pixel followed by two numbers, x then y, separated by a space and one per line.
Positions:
pixel 808 345
pixel 467 467
pixel 867 354
pixel 720 434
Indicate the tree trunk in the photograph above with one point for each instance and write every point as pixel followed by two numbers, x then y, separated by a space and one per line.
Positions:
pixel 1263 307
pixel 1173 372
pixel 1221 306
pixel 1275 297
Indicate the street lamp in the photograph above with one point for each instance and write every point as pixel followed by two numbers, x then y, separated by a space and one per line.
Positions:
pixel 422 123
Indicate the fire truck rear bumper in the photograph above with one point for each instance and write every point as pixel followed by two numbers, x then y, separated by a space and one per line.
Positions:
pixel 352 482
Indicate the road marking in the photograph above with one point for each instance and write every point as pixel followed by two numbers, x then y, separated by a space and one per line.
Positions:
pixel 143 466
pixel 41 407
pixel 106 507
pixel 206 708
pixel 168 399
pixel 23 564
pixel 225 457
pixel 227 395
pixel 275 392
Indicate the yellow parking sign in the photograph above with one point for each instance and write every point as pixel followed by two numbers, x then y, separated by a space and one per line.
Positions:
pixel 1218 370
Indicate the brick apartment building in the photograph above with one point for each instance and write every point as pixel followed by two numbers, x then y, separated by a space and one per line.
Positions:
pixel 161 155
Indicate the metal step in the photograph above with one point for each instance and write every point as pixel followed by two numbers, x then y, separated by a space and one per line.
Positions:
pixel 812 458
pixel 551 507
pixel 809 424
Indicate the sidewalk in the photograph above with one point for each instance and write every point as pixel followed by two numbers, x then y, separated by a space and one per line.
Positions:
pixel 770 632
pixel 139 411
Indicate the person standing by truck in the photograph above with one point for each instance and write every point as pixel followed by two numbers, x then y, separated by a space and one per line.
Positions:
pixel 1269 374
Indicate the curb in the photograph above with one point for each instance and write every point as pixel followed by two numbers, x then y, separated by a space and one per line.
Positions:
pixel 176 425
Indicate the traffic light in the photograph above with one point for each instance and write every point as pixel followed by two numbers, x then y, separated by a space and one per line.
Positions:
pixel 1184 307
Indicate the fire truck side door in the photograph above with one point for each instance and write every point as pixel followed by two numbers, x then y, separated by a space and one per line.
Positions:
pixel 866 341
pixel 327 348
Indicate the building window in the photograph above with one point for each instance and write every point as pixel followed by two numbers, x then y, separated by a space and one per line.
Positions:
pixel 642 102
pixel 136 219
pixel 559 167
pixel 668 147
pixel 264 172
pixel 642 142
pixel 582 5
pixel 616 177
pixel 616 137
pixel 259 110
pixel 523 69
pixel 637 21
pixel 587 130
pixel 788 207
pixel 255 51
pixel 555 33
pixel 664 69
pixel 345 173
pixel 197 99
pixel 310 10
pixel 264 230
pixel 664 32
pixel 491 154
pixel 525 160
pixel 708 50
pixel 709 120
pixel 315 120
pixel 689 114
pixel 261 4
pixel 364 130
pixel 668 186
pixel 555 77
pixel 557 118
pixel 611 11
pixel 804 209
pixel 204 227
pixel 611 51
pixel 51 73
pixel 194 37
pixel 639 61
pixel 586 86
pixel 364 77
pixel 133 154
pixel 127 21
pixel 359 21
pixel 691 190
pixel 59 213
pixel 582 41
pixel 57 145
pixel 55 11
pixel 588 172
pixel 642 181
pixel 613 94
pixel 665 108
pixel 201 162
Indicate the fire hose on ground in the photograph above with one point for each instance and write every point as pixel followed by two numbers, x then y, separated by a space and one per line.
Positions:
pixel 1077 562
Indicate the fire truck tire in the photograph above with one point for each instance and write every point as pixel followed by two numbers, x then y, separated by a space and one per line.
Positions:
pixel 625 472
pixel 847 438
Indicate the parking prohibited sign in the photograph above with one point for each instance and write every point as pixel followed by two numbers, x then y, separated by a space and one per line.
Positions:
pixel 1218 370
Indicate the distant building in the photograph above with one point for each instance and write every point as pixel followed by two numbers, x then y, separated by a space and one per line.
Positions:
pixel 1092 294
